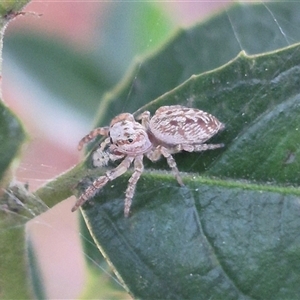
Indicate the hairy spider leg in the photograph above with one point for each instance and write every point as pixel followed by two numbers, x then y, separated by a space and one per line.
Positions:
pixel 167 153
pixel 97 131
pixel 138 170
pixel 195 147
pixel 156 154
pixel 103 180
pixel 145 119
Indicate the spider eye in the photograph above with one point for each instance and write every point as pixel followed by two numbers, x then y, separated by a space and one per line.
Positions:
pixel 130 140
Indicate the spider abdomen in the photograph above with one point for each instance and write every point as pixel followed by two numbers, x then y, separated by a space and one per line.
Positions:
pixel 177 124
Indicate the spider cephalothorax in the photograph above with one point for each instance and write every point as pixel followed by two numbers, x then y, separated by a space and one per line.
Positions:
pixel 128 136
pixel 172 129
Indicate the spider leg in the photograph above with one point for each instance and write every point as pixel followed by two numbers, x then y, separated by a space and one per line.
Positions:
pixel 154 155
pixel 197 147
pixel 160 150
pixel 138 170
pixel 97 131
pixel 103 180
pixel 145 118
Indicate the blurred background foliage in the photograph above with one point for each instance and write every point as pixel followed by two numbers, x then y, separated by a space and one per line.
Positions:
pixel 80 78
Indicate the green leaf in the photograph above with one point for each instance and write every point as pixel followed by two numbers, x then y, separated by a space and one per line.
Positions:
pixel 101 281
pixel 214 238
pixel 209 239
pixel 12 136
pixel 13 281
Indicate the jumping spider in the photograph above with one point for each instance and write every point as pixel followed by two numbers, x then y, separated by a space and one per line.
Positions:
pixel 172 129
